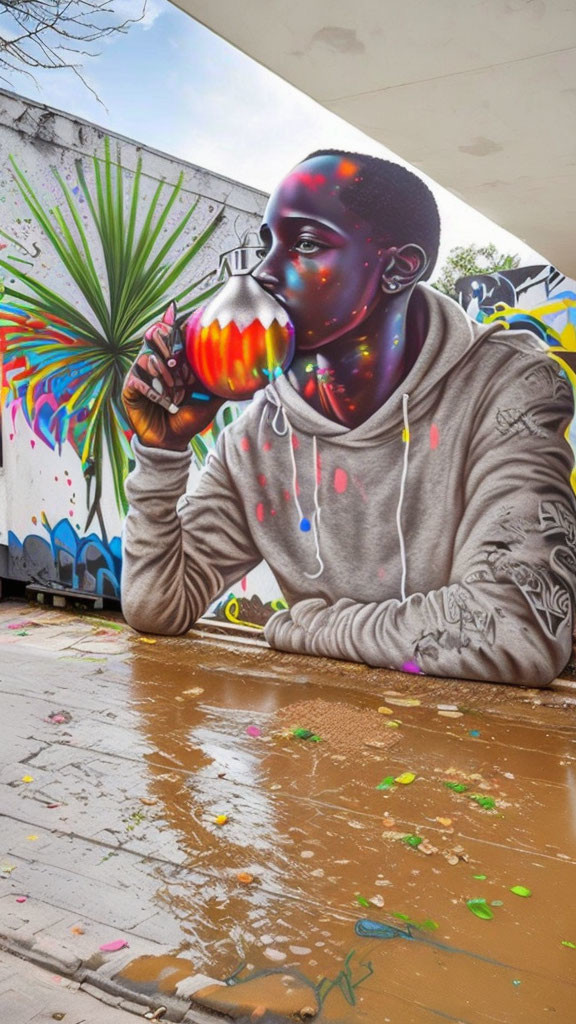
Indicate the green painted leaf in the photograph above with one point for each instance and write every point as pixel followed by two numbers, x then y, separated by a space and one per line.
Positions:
pixel 480 908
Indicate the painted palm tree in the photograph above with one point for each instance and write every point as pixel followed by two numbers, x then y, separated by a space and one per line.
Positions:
pixel 64 367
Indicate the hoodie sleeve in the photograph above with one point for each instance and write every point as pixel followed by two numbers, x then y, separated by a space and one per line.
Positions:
pixel 180 551
pixel 506 613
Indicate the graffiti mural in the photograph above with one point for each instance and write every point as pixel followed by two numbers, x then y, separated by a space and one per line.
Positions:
pixel 538 299
pixel 66 561
pixel 397 466
pixel 91 250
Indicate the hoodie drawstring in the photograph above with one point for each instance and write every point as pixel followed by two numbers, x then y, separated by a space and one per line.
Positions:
pixel 406 440
pixel 305 525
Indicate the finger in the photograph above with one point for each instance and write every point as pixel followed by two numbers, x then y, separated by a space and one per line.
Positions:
pixel 161 370
pixel 135 383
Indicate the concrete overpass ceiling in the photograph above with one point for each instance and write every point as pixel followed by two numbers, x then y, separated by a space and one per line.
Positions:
pixel 481 95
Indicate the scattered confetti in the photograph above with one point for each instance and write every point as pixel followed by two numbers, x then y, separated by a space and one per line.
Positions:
pixel 447 707
pixel 377 901
pixel 113 947
pixel 362 901
pixel 147 801
pixel 77 930
pixel 480 878
pixel 444 821
pixel 7 869
pixel 21 899
pixel 253 730
pixel 32 838
pixel 405 778
pixel 221 819
pixel 427 848
pixel 385 711
pixel 474 733
pixel 456 787
pixel 569 945
pixel 245 878
pixel 27 778
pixel 194 691
pixel 59 718
pixel 516 982
pixel 521 890
pixel 146 640
pixel 480 908
pixel 392 724
pixel 451 714
pixel 386 783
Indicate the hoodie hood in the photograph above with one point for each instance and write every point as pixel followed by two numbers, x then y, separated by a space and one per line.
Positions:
pixel 450 339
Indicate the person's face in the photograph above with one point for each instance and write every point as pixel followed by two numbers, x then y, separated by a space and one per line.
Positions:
pixel 322 261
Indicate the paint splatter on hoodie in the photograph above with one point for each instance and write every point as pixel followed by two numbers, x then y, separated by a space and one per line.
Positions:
pixel 439 536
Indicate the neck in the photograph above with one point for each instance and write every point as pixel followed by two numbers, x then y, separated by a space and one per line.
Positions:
pixel 349 378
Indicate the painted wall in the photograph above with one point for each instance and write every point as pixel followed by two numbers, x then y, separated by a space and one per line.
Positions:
pixel 47 481
pixel 538 299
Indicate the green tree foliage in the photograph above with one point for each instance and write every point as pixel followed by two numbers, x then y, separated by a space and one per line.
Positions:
pixel 467 260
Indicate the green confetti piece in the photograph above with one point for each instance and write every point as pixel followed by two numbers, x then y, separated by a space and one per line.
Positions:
pixel 569 945
pixel 430 926
pixel 456 787
pixel 521 890
pixel 480 908
pixel 386 783
pixel 306 734
pixel 362 901
pixel 480 878
pixel 486 802
pixel 412 840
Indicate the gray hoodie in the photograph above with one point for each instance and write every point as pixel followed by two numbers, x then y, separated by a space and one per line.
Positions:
pixel 439 536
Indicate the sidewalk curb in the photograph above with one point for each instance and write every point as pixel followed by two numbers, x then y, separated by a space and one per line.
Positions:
pixel 96 983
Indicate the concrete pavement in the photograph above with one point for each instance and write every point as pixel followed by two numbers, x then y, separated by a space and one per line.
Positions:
pixel 30 995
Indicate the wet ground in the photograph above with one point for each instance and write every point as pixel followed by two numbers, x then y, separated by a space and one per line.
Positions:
pixel 360 870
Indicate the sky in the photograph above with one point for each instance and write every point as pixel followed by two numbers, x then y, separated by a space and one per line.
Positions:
pixel 173 85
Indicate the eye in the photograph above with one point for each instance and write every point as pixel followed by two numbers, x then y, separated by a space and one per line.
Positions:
pixel 261 253
pixel 308 247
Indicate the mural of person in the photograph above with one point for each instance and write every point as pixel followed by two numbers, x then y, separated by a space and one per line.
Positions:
pixel 407 478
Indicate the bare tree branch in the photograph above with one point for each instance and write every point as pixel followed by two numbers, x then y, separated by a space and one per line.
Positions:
pixel 47 34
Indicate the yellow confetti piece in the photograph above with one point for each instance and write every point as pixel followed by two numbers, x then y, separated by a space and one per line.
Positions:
pixel 406 778
pixel 221 819
pixel 444 821
pixel 405 702
pixel 146 640
pixel 451 714
pixel 32 838
pixel 27 778
pixel 385 711
pixel 392 724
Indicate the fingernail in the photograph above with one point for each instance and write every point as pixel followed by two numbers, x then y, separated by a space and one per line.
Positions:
pixel 173 408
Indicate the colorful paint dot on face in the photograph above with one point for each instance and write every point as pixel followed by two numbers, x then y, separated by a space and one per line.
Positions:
pixel 347 169
pixel 434 437
pixel 245 444
pixel 260 512
pixel 411 666
pixel 340 480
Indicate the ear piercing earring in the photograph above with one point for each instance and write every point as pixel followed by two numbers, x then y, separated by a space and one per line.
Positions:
pixel 391 286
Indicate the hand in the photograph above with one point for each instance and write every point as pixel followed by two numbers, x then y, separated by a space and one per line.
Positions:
pixel 158 391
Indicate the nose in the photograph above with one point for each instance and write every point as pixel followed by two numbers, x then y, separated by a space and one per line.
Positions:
pixel 266 275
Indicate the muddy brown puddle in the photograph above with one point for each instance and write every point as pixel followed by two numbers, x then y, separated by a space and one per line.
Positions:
pixel 311 897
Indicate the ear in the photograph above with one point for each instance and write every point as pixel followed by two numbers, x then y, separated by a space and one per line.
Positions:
pixel 404 269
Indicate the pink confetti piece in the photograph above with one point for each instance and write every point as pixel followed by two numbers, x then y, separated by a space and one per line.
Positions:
pixel 113 947
pixel 253 730
pixel 21 899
